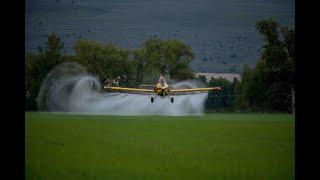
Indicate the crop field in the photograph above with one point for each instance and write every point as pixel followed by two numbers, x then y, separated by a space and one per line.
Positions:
pixel 214 146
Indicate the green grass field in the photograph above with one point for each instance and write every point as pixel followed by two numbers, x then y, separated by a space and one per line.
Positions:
pixel 215 146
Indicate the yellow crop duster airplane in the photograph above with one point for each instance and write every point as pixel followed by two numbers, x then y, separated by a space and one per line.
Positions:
pixel 160 89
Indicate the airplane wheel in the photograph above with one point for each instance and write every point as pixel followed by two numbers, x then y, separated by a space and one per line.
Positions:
pixel 152 99
pixel 172 99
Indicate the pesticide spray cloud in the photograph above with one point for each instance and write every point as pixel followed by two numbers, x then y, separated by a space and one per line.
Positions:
pixel 69 88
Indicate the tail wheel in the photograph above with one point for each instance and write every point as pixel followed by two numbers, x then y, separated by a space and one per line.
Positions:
pixel 152 99
pixel 172 99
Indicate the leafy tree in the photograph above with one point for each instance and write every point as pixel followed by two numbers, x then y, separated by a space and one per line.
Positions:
pixel 203 79
pixel 53 46
pixel 269 84
pixel 132 66
pixel 170 57
pixel 37 66
pixel 32 80
pixel 105 61
pixel 241 98
pixel 289 41
pixel 177 59
pixel 146 60
pixel 223 98
pixel 269 30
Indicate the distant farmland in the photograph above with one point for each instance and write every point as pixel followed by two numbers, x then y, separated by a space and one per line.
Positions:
pixel 215 146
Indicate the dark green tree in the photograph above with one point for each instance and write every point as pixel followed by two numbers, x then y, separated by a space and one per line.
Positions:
pixel 38 65
pixel 105 61
pixel 170 57
pixel 223 99
pixel 268 86
pixel 241 98
pixel 203 79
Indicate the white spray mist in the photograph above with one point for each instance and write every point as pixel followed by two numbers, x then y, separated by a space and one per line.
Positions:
pixel 69 88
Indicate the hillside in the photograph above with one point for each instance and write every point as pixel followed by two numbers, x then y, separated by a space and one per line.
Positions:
pixel 221 32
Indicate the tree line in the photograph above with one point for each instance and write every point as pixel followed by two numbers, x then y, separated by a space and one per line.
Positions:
pixel 266 86
pixel 130 66
pixel 270 85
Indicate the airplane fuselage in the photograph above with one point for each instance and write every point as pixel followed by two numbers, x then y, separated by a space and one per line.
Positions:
pixel 161 90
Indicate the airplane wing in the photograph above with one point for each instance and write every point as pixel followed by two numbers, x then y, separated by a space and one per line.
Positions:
pixel 146 85
pixel 195 89
pixel 109 88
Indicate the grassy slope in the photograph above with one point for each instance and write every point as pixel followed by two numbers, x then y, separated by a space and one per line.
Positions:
pixel 215 146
